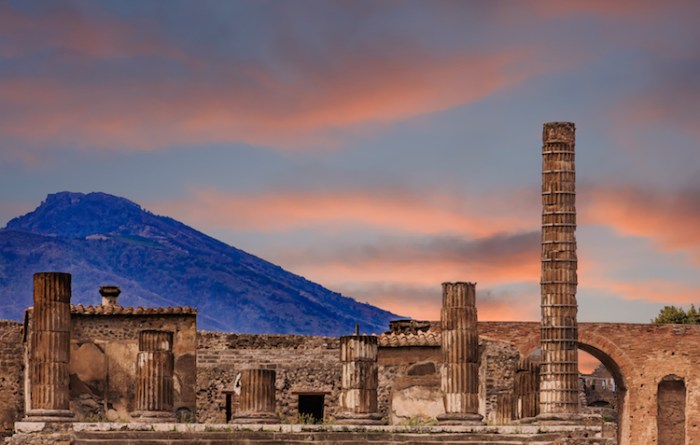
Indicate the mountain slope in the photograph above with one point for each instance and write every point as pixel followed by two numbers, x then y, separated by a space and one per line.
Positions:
pixel 157 261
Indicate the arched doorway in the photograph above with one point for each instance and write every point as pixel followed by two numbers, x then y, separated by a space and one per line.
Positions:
pixel 670 415
pixel 620 387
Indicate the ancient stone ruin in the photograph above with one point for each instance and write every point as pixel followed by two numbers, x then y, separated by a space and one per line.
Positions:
pixel 113 374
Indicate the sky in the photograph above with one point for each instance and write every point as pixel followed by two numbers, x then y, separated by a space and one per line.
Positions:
pixel 377 148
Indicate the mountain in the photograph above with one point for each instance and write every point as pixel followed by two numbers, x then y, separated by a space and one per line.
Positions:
pixel 157 261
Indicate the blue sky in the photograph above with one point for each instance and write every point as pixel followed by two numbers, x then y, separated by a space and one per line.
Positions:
pixel 378 148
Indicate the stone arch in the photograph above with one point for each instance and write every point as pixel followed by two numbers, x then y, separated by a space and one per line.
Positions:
pixel 612 357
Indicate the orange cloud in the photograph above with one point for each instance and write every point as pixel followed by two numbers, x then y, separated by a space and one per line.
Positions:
pixel 671 220
pixel 219 101
pixel 393 210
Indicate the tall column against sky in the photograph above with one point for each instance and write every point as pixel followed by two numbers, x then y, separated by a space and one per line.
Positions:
pixel 50 348
pixel 559 369
pixel 460 354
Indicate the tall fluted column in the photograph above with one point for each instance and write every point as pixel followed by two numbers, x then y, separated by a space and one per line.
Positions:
pixel 460 353
pixel 154 377
pixel 50 348
pixel 257 400
pixel 359 380
pixel 559 369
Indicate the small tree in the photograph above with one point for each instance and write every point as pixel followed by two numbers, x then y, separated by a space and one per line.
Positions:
pixel 676 315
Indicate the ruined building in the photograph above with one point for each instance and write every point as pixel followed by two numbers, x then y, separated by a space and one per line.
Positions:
pixel 87 366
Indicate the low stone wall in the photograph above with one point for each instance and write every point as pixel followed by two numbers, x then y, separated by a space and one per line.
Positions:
pixel 11 374
pixel 304 365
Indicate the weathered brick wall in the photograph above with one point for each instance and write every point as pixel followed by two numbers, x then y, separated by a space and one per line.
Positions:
pixel 103 362
pixel 303 365
pixel 11 374
pixel 639 356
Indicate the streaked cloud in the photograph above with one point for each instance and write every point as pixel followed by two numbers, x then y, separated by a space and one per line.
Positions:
pixel 670 219
pixel 400 211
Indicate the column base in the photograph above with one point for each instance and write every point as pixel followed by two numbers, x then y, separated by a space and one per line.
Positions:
pixel 359 419
pixel 154 417
pixel 559 419
pixel 249 418
pixel 460 419
pixel 49 415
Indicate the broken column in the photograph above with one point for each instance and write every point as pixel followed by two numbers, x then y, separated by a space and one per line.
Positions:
pixel 359 380
pixel 50 348
pixel 559 334
pixel 154 377
pixel 460 352
pixel 527 386
pixel 257 401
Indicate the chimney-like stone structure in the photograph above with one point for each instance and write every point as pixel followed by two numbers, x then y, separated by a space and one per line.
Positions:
pixel 460 354
pixel 154 377
pixel 559 335
pixel 50 348
pixel 257 400
pixel 110 294
pixel 359 380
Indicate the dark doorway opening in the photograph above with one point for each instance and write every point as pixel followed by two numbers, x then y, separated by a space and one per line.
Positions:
pixel 229 410
pixel 311 406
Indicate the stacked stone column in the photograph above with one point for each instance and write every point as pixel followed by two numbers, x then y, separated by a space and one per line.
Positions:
pixel 359 380
pixel 50 348
pixel 460 353
pixel 154 377
pixel 559 369
pixel 257 401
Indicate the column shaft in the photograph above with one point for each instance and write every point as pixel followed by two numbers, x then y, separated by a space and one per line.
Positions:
pixel 359 380
pixel 559 369
pixel 460 353
pixel 257 400
pixel 154 377
pixel 50 347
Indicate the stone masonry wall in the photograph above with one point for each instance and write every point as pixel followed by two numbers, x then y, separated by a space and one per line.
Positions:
pixel 303 365
pixel 11 374
pixel 103 362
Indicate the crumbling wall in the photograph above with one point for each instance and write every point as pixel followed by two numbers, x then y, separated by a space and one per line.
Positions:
pixel 497 367
pixel 103 363
pixel 303 365
pixel 409 383
pixel 11 374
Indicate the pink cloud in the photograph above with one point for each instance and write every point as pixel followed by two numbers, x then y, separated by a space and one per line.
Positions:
pixel 392 210
pixel 218 100
pixel 669 219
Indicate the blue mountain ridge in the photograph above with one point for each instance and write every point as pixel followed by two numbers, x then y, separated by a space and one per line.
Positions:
pixel 157 261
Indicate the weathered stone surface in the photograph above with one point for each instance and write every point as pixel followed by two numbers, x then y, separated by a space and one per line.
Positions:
pixel 116 337
pixel 422 401
pixel 460 351
pixel 303 365
pixel 257 399
pixel 49 353
pixel 11 374
pixel 154 376
pixel 559 368
pixel 359 379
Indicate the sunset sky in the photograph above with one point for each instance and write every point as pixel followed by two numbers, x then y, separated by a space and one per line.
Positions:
pixel 376 147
